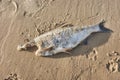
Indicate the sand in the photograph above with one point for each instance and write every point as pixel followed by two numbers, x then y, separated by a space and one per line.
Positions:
pixel 98 60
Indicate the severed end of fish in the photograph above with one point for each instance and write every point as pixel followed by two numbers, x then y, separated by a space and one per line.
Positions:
pixel 21 47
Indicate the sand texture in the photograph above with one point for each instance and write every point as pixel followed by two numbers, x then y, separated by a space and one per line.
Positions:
pixel 22 20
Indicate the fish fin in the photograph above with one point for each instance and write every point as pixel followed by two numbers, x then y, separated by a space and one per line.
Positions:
pixel 47 48
pixel 67 52
pixel 85 42
pixel 37 53
pixel 67 49
pixel 102 28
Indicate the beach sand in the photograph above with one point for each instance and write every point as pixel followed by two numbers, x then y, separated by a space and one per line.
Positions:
pixel 98 60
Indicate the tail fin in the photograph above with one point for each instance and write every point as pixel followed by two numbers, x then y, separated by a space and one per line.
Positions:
pixel 102 28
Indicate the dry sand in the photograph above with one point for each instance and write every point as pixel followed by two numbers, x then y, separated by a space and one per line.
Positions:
pixel 99 60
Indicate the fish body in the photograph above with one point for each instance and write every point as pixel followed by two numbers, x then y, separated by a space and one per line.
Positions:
pixel 61 39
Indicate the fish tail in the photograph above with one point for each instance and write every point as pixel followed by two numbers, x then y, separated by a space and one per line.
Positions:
pixel 102 28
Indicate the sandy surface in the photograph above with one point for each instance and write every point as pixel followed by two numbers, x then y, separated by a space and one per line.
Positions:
pixel 99 60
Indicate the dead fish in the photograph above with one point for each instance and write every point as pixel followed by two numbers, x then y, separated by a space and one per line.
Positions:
pixel 62 39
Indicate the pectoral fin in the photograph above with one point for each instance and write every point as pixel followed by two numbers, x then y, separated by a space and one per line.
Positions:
pixel 85 42
pixel 48 48
pixel 66 50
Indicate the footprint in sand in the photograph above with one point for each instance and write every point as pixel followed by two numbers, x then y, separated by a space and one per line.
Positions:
pixel 12 77
pixel 93 55
pixel 113 53
pixel 113 65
